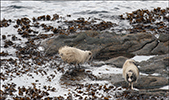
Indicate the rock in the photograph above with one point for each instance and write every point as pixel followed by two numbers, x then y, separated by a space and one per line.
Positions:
pixel 128 44
pixel 107 45
pixel 146 82
pixel 113 78
pixel 143 94
pixel 117 61
pixel 166 60
pixel 85 41
pixel 157 64
pixel 146 49
pixel 137 41
pixel 163 37
pixel 161 48
pixel 151 68
pixel 123 84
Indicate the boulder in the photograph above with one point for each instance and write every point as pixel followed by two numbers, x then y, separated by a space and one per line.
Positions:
pixel 157 64
pixel 117 61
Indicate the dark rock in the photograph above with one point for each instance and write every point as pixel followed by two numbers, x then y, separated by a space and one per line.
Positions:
pixel 166 60
pixel 161 48
pixel 146 82
pixel 107 45
pixel 140 40
pixel 82 40
pixel 123 84
pixel 146 49
pixel 163 37
pixel 157 64
pixel 151 68
pixel 118 61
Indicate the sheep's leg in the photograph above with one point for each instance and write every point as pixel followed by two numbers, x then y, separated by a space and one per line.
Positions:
pixel 132 86
pixel 78 65
pixel 70 66
pixel 129 85
pixel 75 66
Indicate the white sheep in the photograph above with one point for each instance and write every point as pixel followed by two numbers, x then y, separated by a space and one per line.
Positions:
pixel 74 55
pixel 130 72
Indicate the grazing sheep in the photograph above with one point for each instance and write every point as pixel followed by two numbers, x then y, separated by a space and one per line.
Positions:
pixel 130 72
pixel 74 55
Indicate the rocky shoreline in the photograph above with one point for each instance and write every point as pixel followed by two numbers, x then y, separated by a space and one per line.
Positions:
pixel 109 47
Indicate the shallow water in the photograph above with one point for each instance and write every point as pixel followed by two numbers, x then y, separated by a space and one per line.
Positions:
pixel 105 10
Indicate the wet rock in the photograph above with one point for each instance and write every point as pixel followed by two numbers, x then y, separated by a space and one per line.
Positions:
pixel 151 82
pixel 161 48
pixel 105 45
pixel 113 78
pixel 118 61
pixel 146 82
pixel 157 64
pixel 147 48
pixel 151 68
pixel 135 42
pixel 163 37
pixel 81 40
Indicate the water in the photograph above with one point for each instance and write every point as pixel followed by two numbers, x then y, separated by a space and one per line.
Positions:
pixel 104 10
pixel 99 9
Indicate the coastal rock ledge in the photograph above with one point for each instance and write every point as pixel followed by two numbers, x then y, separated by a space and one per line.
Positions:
pixel 107 45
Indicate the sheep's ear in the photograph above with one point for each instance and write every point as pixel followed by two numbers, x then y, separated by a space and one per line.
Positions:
pixel 131 61
pixel 134 62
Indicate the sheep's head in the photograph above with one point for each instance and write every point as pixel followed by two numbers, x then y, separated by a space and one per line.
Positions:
pixel 88 55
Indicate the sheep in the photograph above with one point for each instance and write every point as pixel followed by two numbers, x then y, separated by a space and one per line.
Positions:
pixel 74 55
pixel 130 72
